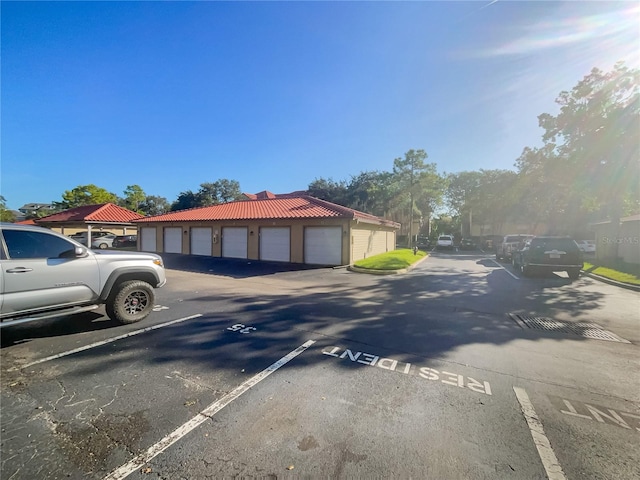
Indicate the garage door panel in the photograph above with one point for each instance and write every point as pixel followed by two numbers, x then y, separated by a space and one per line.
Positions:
pixel 173 240
pixel 148 239
pixel 275 244
pixel 201 241
pixel 234 242
pixel 323 245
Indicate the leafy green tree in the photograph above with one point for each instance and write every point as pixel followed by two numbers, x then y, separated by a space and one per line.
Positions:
pixel 483 197
pixel 185 200
pixel 330 190
pixel 544 190
pixel 595 139
pixel 5 214
pixel 419 187
pixel 211 193
pixel 220 191
pixel 85 195
pixel 134 197
pixel 370 192
pixel 154 205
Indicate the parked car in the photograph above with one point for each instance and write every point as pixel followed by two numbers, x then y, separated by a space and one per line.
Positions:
pixel 587 246
pixel 423 242
pixel 82 236
pixel 549 254
pixel 122 241
pixel 510 244
pixel 47 275
pixel 444 242
pixel 467 244
pixel 103 242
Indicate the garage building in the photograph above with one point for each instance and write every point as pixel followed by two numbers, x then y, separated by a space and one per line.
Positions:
pixel 294 228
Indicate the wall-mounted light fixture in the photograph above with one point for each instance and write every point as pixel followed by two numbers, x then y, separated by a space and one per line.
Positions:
pixel 251 233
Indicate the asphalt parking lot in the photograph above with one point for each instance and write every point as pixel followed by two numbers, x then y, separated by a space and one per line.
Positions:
pixel 260 370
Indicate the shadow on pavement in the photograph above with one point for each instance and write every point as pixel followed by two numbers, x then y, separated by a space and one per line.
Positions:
pixel 230 267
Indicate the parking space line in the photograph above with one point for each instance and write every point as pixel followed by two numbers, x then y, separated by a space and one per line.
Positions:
pixel 108 340
pixel 548 457
pixel 206 414
pixel 502 267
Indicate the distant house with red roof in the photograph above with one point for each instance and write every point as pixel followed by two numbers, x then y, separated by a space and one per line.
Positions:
pixel 292 227
pixel 104 216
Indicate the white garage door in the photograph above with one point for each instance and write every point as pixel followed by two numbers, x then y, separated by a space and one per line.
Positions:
pixel 323 245
pixel 275 244
pixel 148 239
pixel 234 242
pixel 173 240
pixel 201 241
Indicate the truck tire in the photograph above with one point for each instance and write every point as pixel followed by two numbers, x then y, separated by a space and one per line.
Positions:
pixel 131 302
pixel 574 273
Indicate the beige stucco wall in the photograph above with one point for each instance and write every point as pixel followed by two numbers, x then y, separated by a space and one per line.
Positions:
pixel 368 240
pixel 253 241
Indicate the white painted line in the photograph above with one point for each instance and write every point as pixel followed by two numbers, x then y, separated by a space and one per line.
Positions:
pixel 502 267
pixel 153 451
pixel 108 340
pixel 549 459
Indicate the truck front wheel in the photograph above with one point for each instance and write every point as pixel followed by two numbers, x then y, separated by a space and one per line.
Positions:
pixel 131 302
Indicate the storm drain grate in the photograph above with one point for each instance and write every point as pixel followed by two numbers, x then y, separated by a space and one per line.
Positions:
pixel 582 329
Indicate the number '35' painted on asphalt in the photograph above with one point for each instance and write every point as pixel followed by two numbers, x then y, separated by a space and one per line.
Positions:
pixel 238 327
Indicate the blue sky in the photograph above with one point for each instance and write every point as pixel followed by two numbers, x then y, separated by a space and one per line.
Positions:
pixel 168 95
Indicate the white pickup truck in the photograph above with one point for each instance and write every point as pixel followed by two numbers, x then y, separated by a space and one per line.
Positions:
pixel 46 275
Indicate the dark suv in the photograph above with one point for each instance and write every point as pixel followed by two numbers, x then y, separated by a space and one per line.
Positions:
pixel 549 254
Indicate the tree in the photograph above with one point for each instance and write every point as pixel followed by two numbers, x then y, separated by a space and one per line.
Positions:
pixel 220 191
pixel 370 192
pixel 134 196
pixel 212 193
pixel 417 182
pixel 483 197
pixel 85 195
pixel 544 190
pixel 330 190
pixel 185 200
pixel 595 139
pixel 154 205
pixel 6 215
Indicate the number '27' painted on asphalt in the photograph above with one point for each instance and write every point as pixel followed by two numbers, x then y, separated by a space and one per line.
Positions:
pixel 238 327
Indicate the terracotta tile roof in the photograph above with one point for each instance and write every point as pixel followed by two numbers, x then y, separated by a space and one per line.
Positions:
pixel 284 206
pixel 104 213
pixel 26 222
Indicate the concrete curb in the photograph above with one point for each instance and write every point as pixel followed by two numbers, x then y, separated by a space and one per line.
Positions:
pixel 353 268
pixel 628 286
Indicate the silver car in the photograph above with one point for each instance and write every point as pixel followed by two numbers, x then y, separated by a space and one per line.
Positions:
pixel 103 242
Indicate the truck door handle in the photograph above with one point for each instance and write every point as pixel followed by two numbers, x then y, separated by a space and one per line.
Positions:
pixel 19 270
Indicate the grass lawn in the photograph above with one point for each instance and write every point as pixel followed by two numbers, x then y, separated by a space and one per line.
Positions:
pixel 397 259
pixel 612 274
